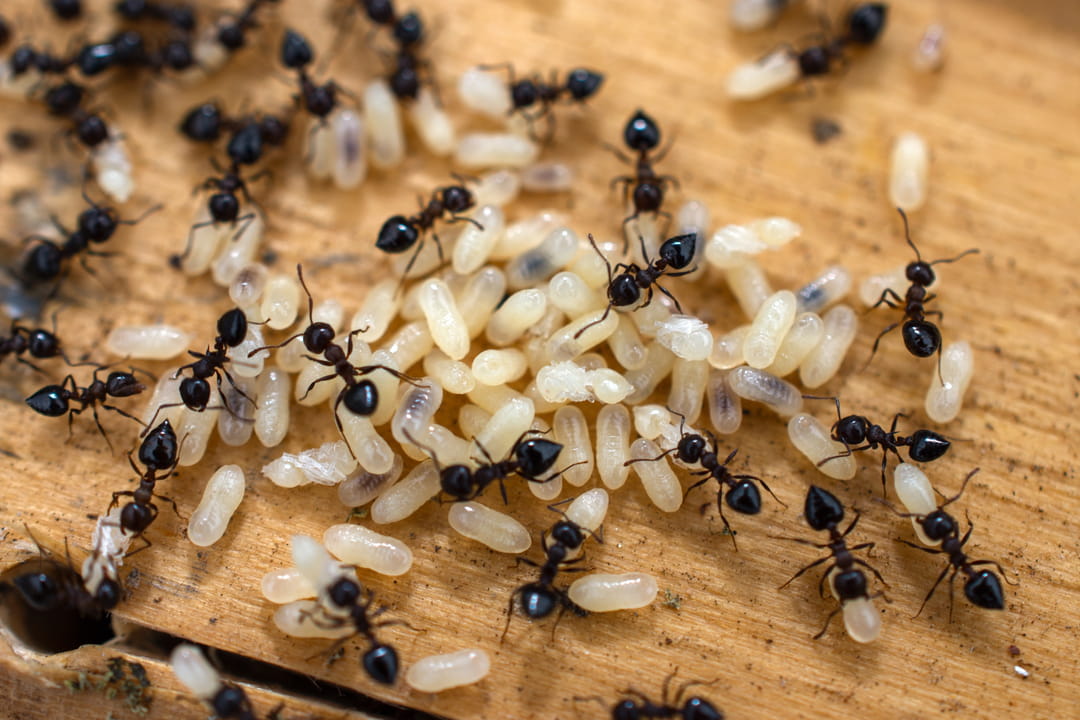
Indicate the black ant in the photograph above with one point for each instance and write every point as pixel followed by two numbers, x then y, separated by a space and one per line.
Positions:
pixel 642 135
pixel 982 587
pixel 853 430
pixel 25 58
pixel 639 707
pixel 400 233
pixel 360 397
pixel 62 586
pixel 179 17
pixel 160 452
pixel 625 285
pixel 921 337
pixel 206 122
pixel 65 100
pixel 317 100
pixel 232 32
pixel 864 24
pixel 824 512
pixel 39 343
pixel 223 205
pixel 57 400
pixel 580 85
pixel 66 9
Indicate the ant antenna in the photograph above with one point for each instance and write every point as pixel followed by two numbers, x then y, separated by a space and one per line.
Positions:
pixel 310 301
pixel 963 485
pixel 907 233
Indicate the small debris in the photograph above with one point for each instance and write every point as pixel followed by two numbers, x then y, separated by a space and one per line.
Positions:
pixel 824 129
pixel 672 600
pixel 1021 671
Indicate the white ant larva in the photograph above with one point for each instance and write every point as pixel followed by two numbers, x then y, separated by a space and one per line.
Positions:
pixel 570 382
pixel 687 393
pixel 495 150
pixel 732 245
pixel 587 511
pixel 286 586
pixel 517 314
pixel 580 335
pixel 319 147
pixel 492 398
pixel 320 568
pixel 386 134
pixel 416 409
pixel 297 619
pixel 929 55
pixel 471 419
pixel 497 187
pixel 602 592
pixel 452 448
pixel 505 426
pixel 497 530
pixel 20 86
pixel 651 317
pixel 485 92
pixel 147 342
pixel 772 322
pixel 362 486
pixel 432 123
pixel 650 420
pixel 272 408
pixel 247 287
pixel 373 453
pixel 686 336
pixel 112 168
pixel 407 496
pixel 914 491
pixel 821 363
pixel 751 15
pixel 236 424
pixel 749 286
pixel 349 166
pixel 775 231
pixel 572 432
pixel 328 464
pixel 444 320
pixel 725 407
pixel 455 376
pixel 805 334
pixel 871 289
pixel 754 80
pixel 657 478
pixel 527 234
pixel 100 570
pixel 658 365
pixel 475 243
pixel 757 385
pixel 200 677
pixel 547 177
pixel 831 286
pixel 359 546
pixel 534 266
pixel 386 385
pixel 166 392
pixel 812 439
pixel 568 291
pixel 949 383
pixel 378 310
pixel 592 268
pixel 626 344
pixel 498 367
pixel 727 349
pixel 908 168
pixel 410 344
pixel 238 252
pixel 206 238
pixel 195 429
pixel 222 496
pixel 477 300
pixel 280 301
pixel 436 673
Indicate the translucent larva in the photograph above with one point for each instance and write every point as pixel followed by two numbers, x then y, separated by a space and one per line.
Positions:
pixel 432 123
pixel 147 342
pixel 247 287
pixel 568 292
pixel 657 478
pixel 362 486
pixel 452 449
pixel 626 344
pixel 319 152
pixel 504 427
pixel 751 15
pixel 453 375
pixel 316 564
pixel 547 491
pixel 373 453
pixel 497 530
pixel 813 440
pixel 517 314
pixel 409 344
pixel 298 619
pixel 193 670
pixel 166 392
pixel 349 164
pixel 572 432
pixel 946 393
pixel 485 92
pixel 658 364
pixel 497 187
pixel 407 496
pixel 929 55
pixel 195 429
pixel 222 496
pixel 840 324
pixel 378 310
pixel 436 673
pixel 908 169
pixel 862 620
pixel 285 586
pixel 444 321
pixel 236 424
pixel 580 335
pixel 686 336
pixel 307 392
pixel 914 491
pixel 727 349
pixel 110 544
pixel 772 322
pixel 471 419
pixel 477 301
pixel 757 385
pixel 474 244
pixel 280 301
pixel 238 252
pixel 725 407
pixel 775 231
pixel 382 117
pixel 498 367
pixel 590 267
pixel 757 79
pixel 272 410
pixel 733 245
pixel 495 150
pixel 547 177
pixel 534 266
pixel 749 286
pixel 328 464
pixel 359 546
pixel 206 238
pixel 688 380
pixel 650 420
pixel 492 398
pixel 651 317
pixel 570 382
pixel 527 234
pixel 805 334
pixel 416 409
pixel 872 287
pixel 831 286
pixel 112 168
pixel 600 592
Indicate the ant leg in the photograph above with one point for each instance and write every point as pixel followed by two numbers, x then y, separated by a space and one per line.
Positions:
pixel 177 260
pixel 971 251
pixel 324 378
pixel 877 341
pixel 730 530
pixel 594 322
pixel 244 221
pixel 509 616
pixel 412 260
pixel 463 218
pixel 126 414
pixel 337 420
pixel 884 299
pixel 812 565
pixel 661 288
pixel 617 153
pixel 763 484
pixel 156 413
pixel 854 522
pixel 1000 569
pixel 828 620
pixel 238 389
pixel 658 457
pixel 310 302
pixel 870 567
pixel 962 487
pixel 146 544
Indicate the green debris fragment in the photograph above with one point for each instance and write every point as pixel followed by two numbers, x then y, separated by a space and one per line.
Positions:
pixel 672 600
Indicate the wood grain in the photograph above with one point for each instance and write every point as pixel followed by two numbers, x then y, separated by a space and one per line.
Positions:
pixel 1001 122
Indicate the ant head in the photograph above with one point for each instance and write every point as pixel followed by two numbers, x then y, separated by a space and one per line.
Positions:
pixel 939 525
pixel 920 273
pixel 648 196
pixel 231 702
pixel 44 261
pixel 177 55
pixel 984 590
pixel 457 198
pixel 317 337
pixel 43 344
pixel 405 82
pixel 95 58
pixel 231 36
pixel 921 337
pixel 232 327
pixel 397 235
pixel 623 290
pixel 866 22
pixel 381 663
pixel 697 708
pixel 296 52
pixel 49 401
pixel 568 534
pixel 626 710
pixel 456 481
pixel 61 99
pixel 39 590
pixel 158 449
pixel 129 48
pixel 122 384
pixel 344 592
pixel 274 130
pixel 927 446
pixel 691 447
pixel 822 509
pixel 744 498
pixel 523 93
pixel 320 100
pixel 107 595
pixel 97 223
pixel 136 518
pixel 641 132
pixel 362 398
pixel 224 207
pixel 814 61
pixel 195 393
pixel 852 429
pixel 850 584
pixel 583 83
pixel 246 145
pixel 409 29
pixel 538 600
pixel 679 250
pixel 92 131
pixel 380 12
pixel 536 456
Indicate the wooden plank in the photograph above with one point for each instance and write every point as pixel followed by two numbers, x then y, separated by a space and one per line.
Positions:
pixel 1001 124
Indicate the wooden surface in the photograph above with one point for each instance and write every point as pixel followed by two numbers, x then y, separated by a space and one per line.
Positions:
pixel 1001 120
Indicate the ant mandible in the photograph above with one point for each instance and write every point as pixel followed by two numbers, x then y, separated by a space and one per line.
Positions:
pixel 580 85
pixel 642 135
pixel 56 400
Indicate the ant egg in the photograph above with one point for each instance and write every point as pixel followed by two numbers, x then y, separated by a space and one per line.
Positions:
pixel 482 293
pixel 247 287
pixel 929 55
pixel 497 530
pixel 474 244
pixel 657 478
pixel 549 177
pixel 829 287
pixel 650 420
pixel 527 234
pixel 349 166
pixel 166 392
pixel 725 407
pixel 359 546
pixel 805 334
pixel 498 367
pixel 436 673
pixel 471 419
pixel 626 344
pixel 727 349
pixel 223 494
pixel 112 168
pixel 541 262
pixel 772 322
pixel 237 422
pixel 194 428
pixel 407 496
pixel 946 393
pixel 485 92
pixel 238 252
pixel 297 619
pixel 601 592
pixel 572 432
pixel 328 464
pixel 840 324
pixel 568 292
pixel 280 301
pixel 813 440
pixel 409 344
pixel 751 15
pixel 686 336
pixel 688 380
pixel 497 187
pixel 416 409
pixel 147 342
pixel 455 376
pixel 285 586
pixel 432 123
pixel 749 286
pixel 378 310
pixel 914 491
pixel 372 452
pixel 505 426
pixel 584 333
pixel 386 134
pixel 518 313
pixel 908 168
pixel 862 620
pixel 362 486
pixel 755 80
pixel 757 385
pixel 444 321
pixel 732 245
pixel 194 672
pixel 659 362
pixel 487 150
